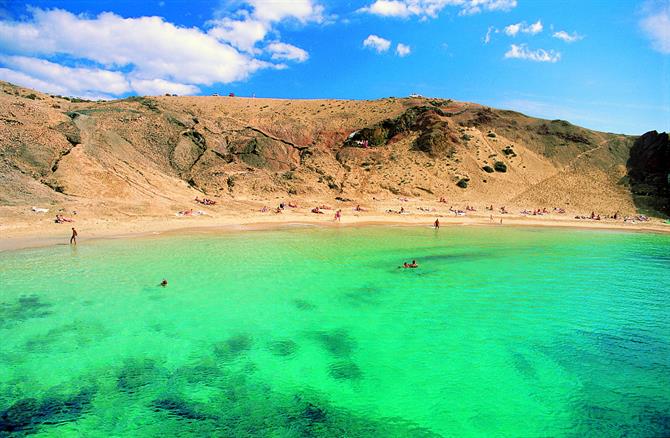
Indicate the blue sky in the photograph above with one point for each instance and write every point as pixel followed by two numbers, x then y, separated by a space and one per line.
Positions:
pixel 600 64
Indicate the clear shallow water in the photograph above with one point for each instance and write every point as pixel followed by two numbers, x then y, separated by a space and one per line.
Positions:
pixel 316 332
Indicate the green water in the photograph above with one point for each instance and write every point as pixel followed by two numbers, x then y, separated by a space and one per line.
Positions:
pixel 316 332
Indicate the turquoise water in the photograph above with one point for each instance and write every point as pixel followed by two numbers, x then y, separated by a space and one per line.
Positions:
pixel 316 332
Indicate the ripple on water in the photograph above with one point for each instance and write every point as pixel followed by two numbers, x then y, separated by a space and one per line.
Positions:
pixel 345 370
pixel 283 347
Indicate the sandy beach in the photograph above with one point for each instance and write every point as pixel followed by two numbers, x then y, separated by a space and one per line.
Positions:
pixel 22 228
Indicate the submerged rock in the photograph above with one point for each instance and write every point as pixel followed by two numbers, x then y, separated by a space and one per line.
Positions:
pixel 27 414
pixel 233 347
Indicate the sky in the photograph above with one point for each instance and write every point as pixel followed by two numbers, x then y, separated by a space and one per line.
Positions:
pixel 600 64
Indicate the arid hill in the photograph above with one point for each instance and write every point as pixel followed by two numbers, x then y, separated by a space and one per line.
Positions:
pixel 155 153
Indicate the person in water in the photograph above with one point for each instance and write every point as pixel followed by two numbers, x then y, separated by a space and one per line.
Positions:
pixel 413 264
pixel 73 239
pixel 164 283
pixel 437 223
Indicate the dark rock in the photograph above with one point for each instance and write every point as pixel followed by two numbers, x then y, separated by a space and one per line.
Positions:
pixel 649 171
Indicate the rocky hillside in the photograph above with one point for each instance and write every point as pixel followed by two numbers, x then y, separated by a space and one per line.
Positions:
pixel 136 153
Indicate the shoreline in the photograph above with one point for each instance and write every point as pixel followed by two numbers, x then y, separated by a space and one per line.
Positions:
pixel 36 235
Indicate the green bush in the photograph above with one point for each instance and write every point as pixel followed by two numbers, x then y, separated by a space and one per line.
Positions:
pixel 463 183
pixel 491 134
pixel 488 169
pixel 499 166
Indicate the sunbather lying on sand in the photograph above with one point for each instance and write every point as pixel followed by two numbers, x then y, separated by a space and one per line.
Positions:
pixel 61 219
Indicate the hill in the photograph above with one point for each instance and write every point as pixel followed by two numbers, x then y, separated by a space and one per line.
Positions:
pixel 151 155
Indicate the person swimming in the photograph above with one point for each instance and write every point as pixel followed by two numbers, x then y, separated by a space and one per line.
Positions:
pixel 410 265
pixel 163 283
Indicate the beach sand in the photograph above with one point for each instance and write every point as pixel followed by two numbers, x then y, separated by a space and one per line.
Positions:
pixel 22 228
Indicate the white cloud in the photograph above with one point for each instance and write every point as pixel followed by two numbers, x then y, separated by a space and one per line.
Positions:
pixel 161 86
pixel 277 10
pixel 512 29
pixel 539 55
pixel 656 26
pixel 288 52
pixel 487 37
pixel 377 43
pixel 403 50
pixel 533 29
pixel 248 28
pixel 432 8
pixel 68 80
pixel 568 38
pixel 388 8
pixel 242 34
pixel 112 55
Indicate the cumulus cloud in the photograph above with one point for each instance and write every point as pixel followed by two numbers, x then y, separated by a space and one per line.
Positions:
pixel 244 29
pixel 431 8
pixel 656 26
pixel 540 55
pixel 112 55
pixel 58 79
pixel 533 29
pixel 403 50
pixel 377 43
pixel 287 52
pixel 568 38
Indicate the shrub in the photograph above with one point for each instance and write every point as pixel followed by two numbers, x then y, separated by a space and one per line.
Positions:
pixel 491 134
pixel 488 169
pixel 509 151
pixel 463 183
pixel 499 166
pixel 31 96
pixel 288 175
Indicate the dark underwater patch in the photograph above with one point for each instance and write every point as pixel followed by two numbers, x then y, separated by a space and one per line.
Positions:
pixel 233 347
pixel 180 408
pixel 303 304
pixel 137 374
pixel 523 365
pixel 345 370
pixel 337 342
pixel 24 308
pixel 363 296
pixel 27 415
pixel 283 347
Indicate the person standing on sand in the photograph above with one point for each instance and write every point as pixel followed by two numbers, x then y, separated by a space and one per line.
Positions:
pixel 437 223
pixel 73 239
pixel 338 216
